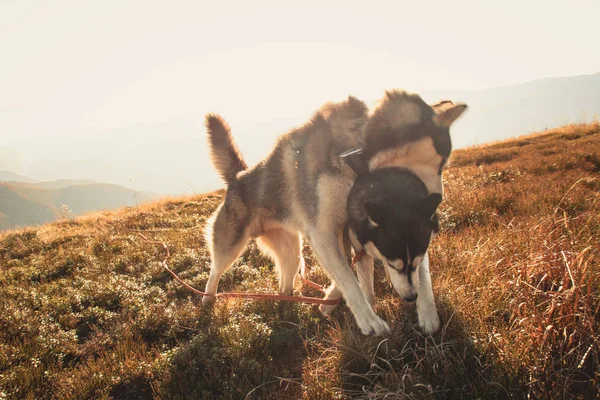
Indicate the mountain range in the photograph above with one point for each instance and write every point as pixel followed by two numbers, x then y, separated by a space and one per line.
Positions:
pixel 505 112
pixel 24 202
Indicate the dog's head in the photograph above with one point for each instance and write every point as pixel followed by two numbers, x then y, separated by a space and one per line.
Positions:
pixel 404 131
pixel 399 237
pixel 393 218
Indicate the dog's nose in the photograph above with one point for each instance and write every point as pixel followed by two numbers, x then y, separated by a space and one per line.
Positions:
pixel 411 297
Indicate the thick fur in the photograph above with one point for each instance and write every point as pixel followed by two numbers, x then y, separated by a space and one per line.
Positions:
pixel 300 190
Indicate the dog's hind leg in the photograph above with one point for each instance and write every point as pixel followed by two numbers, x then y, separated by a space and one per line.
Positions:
pixel 429 319
pixel 331 293
pixel 226 236
pixel 286 250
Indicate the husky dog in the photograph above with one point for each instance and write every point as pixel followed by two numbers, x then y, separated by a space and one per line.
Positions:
pixel 391 216
pixel 301 189
pixel 403 137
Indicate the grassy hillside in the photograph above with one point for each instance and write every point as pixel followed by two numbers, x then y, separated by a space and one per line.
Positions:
pixel 87 310
pixel 23 204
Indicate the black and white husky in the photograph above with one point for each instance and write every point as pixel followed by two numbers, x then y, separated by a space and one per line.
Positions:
pixel 391 216
pixel 304 189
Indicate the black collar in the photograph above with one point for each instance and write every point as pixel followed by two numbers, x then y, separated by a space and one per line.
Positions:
pixel 354 159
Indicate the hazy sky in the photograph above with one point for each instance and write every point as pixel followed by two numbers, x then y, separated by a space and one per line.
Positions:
pixel 73 69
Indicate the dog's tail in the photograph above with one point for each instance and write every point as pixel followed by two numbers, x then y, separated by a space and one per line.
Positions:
pixel 224 154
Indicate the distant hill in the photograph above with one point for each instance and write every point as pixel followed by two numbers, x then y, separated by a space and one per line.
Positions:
pixel 16 179
pixel 505 112
pixel 23 204
pixel 64 183
pixel 58 184
pixel 7 176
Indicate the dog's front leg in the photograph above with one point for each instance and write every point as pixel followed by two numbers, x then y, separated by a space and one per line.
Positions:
pixel 429 319
pixel 365 270
pixel 327 250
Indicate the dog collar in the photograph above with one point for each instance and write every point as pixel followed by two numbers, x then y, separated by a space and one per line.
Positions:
pixel 353 158
pixel 358 256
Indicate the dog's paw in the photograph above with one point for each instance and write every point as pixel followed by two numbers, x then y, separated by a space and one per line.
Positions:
pixel 327 309
pixel 429 320
pixel 208 300
pixel 372 325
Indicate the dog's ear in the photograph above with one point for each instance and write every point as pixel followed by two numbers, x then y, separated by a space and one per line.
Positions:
pixel 377 213
pixel 446 114
pixel 442 106
pixel 428 206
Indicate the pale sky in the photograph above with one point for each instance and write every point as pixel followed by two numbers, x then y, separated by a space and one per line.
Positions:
pixel 76 69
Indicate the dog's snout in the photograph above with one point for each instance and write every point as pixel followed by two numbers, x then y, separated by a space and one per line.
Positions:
pixel 411 297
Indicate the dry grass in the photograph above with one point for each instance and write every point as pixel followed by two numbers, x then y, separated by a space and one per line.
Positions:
pixel 88 312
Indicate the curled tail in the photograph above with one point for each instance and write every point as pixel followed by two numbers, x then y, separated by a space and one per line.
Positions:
pixel 224 154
